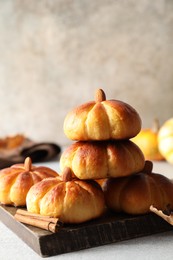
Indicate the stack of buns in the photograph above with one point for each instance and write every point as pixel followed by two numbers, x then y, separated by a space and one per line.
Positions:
pixel 101 169
pixel 101 130
pixel 102 151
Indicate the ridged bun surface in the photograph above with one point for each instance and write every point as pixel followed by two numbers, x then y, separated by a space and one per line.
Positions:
pixel 71 200
pixel 97 160
pixel 102 120
pixel 15 181
pixel 135 194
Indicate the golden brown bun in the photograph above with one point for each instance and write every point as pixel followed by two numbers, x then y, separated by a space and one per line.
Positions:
pixel 72 201
pixel 16 181
pixel 97 160
pixel 135 194
pixel 102 120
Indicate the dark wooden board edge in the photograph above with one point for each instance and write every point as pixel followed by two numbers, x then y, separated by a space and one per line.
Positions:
pixel 110 228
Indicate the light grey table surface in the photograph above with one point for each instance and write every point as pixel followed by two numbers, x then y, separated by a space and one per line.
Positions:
pixel 158 246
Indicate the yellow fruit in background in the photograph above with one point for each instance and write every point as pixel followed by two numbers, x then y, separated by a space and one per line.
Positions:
pixel 147 140
pixel 165 140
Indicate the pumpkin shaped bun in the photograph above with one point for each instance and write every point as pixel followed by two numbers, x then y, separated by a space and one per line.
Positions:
pixel 71 200
pixel 15 181
pixel 102 120
pixel 102 159
pixel 135 194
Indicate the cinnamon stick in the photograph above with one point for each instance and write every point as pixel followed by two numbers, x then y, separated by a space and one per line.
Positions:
pixel 160 213
pixel 37 220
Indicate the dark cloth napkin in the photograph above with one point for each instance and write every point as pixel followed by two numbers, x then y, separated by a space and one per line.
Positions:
pixel 38 152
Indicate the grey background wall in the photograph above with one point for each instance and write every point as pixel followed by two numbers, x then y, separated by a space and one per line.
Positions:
pixel 55 54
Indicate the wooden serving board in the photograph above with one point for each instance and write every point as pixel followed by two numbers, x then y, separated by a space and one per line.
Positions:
pixel 110 228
